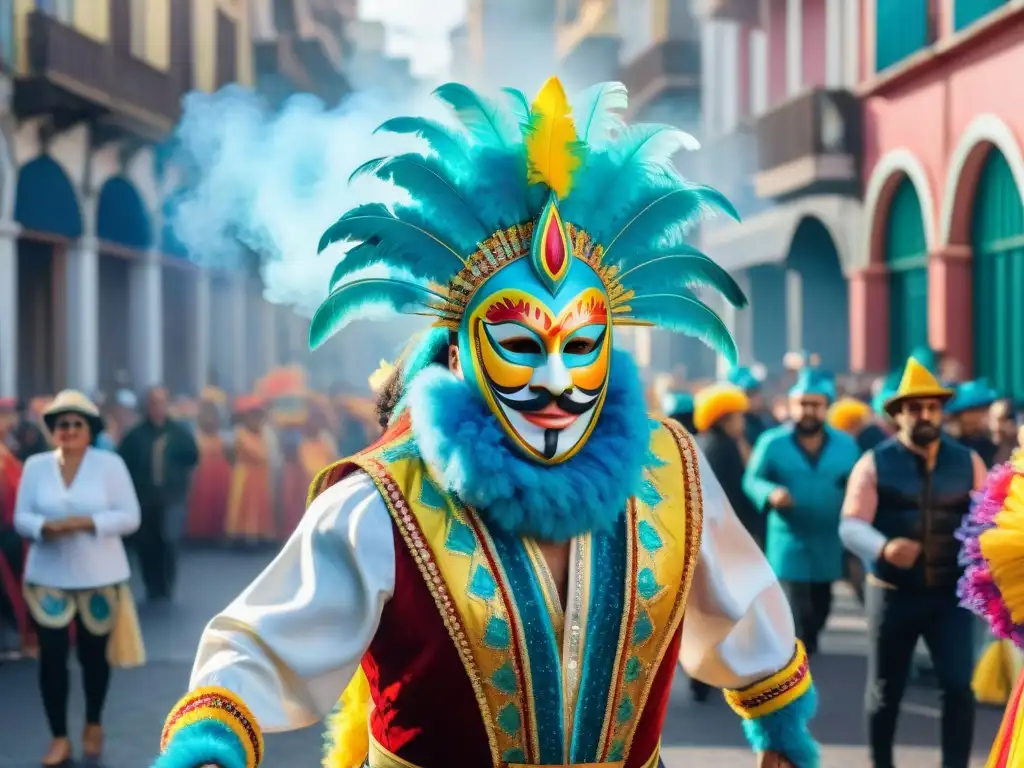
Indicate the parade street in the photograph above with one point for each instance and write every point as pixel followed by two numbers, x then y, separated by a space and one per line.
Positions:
pixel 695 735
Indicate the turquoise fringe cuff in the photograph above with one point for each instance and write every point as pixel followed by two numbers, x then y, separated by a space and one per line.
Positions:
pixel 204 743
pixel 785 731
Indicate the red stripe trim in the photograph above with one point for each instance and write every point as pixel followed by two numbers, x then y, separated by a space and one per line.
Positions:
pixel 1007 730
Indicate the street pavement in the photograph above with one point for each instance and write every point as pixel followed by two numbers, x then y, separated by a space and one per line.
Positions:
pixel 695 735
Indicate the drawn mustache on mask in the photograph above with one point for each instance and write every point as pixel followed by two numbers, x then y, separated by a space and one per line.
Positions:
pixel 543 397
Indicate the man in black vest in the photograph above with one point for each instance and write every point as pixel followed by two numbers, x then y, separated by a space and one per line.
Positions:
pixel 904 501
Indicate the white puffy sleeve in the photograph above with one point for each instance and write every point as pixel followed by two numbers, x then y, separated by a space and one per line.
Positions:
pixel 738 627
pixel 290 643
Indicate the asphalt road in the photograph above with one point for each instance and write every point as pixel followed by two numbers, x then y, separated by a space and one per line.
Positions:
pixel 695 735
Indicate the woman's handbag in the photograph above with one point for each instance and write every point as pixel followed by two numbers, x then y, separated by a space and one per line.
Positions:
pixel 125 647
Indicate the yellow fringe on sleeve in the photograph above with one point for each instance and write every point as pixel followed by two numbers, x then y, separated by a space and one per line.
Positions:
pixel 348 736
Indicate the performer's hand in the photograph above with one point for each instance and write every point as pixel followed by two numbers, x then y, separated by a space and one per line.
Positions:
pixel 901 552
pixel 780 499
pixel 773 760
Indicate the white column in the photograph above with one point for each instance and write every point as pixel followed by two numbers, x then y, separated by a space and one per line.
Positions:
pixel 794 311
pixel 145 308
pixel 850 32
pixel 729 60
pixel 835 45
pixel 758 71
pixel 709 80
pixel 9 308
pixel 794 46
pixel 202 319
pixel 238 379
pixel 83 314
pixel 271 357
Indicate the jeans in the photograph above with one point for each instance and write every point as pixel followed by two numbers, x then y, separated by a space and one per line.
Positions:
pixel 896 619
pixel 811 603
pixel 157 544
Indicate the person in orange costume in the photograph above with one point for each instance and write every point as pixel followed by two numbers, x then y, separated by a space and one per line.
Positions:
pixel 12 548
pixel 250 514
pixel 316 451
pixel 211 482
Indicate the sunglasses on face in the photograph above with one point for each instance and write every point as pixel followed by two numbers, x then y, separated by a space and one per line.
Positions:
pixel 67 425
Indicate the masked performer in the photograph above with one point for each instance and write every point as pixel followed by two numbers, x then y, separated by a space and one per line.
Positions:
pixel 523 541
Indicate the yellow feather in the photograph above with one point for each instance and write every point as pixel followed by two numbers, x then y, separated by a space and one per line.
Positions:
pixel 553 148
pixel 348 734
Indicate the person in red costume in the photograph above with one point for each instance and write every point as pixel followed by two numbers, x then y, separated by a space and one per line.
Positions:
pixel 501 580
pixel 12 546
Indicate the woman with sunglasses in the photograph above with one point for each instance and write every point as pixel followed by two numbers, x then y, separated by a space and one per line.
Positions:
pixel 74 505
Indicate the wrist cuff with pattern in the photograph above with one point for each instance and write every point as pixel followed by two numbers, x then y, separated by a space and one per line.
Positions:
pixel 774 692
pixel 205 706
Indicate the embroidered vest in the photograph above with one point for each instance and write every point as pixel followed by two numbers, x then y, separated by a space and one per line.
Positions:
pixel 549 689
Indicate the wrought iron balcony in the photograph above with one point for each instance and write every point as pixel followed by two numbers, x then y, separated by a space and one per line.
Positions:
pixel 812 140
pixel 669 64
pixel 72 74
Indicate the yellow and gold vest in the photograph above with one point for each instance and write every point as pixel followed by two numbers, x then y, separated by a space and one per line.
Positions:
pixel 553 687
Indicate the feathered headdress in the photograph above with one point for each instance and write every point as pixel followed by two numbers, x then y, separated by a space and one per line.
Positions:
pixel 550 181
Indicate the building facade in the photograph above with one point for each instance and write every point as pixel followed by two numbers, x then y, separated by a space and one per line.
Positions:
pixel 92 283
pixel 781 135
pixel 942 258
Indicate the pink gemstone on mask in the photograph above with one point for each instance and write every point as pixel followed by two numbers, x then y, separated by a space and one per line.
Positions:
pixel 554 247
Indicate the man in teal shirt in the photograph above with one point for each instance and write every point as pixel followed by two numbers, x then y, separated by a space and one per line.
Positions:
pixel 797 475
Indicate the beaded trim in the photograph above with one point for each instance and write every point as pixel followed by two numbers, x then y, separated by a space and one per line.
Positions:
pixel 218 704
pixel 694 529
pixel 774 692
pixel 509 245
pixel 420 550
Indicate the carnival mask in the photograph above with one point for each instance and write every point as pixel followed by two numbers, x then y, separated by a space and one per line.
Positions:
pixel 536 342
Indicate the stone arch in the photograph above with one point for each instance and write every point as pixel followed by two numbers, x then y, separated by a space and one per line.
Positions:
pixel 984 133
pixel 122 217
pixel 46 201
pixel 885 178
pixel 813 254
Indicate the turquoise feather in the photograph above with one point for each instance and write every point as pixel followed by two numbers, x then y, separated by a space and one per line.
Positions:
pixel 683 266
pixel 652 144
pixel 518 104
pixel 363 298
pixel 664 213
pixel 407 244
pixel 485 119
pixel 442 140
pixel 596 112
pixel 676 312
pixel 429 180
pixel 362 256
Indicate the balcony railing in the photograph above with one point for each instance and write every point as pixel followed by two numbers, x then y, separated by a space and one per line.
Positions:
pixel 815 123
pixel 96 73
pixel 672 58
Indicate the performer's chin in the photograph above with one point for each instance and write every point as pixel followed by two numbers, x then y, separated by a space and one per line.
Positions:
pixel 546 441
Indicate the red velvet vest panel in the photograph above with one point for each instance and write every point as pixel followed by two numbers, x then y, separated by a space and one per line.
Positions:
pixel 424 708
pixel 652 720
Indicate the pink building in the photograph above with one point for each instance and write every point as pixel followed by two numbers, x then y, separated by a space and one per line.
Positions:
pixel 782 137
pixel 941 260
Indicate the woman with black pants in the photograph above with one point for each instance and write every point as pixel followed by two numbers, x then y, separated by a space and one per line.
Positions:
pixel 74 505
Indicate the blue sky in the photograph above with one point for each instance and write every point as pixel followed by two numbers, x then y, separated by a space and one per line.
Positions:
pixel 417 29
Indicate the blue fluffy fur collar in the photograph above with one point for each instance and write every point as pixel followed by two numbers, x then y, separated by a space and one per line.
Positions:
pixel 468 453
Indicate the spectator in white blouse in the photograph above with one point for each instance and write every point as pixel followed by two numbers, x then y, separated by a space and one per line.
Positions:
pixel 74 505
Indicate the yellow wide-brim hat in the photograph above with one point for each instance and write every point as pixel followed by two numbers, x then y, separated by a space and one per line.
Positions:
pixel 917 383
pixel 848 413
pixel 717 401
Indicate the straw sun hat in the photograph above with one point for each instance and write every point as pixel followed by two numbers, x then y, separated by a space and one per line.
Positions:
pixel 73 401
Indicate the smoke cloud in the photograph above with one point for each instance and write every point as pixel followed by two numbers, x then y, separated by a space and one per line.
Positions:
pixel 271 182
